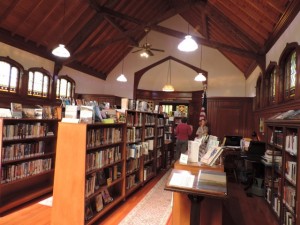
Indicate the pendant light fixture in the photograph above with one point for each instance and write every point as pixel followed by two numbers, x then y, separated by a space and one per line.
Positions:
pixel 188 44
pixel 200 76
pixel 122 77
pixel 168 87
pixel 61 51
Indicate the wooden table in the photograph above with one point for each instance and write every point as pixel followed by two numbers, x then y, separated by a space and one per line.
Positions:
pixel 202 192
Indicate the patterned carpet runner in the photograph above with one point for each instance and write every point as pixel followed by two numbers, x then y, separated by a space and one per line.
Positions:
pixel 154 209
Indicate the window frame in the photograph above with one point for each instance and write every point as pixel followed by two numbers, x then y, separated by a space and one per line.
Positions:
pixel 283 80
pixel 73 85
pixel 45 74
pixel 20 68
pixel 272 69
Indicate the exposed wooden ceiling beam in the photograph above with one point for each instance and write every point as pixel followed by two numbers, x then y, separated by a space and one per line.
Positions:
pixel 8 10
pixel 220 18
pixel 209 43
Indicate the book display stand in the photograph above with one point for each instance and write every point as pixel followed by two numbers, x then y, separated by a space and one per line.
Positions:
pixel 197 186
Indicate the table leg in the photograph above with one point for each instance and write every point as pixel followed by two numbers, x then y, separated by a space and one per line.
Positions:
pixel 195 209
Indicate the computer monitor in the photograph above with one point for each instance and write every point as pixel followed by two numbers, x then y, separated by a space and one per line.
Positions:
pixel 233 140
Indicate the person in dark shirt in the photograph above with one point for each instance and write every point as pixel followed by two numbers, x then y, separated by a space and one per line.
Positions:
pixel 182 131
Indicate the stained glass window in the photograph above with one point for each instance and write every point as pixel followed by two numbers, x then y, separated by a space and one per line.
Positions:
pixel 65 87
pixel 290 75
pixel 9 77
pixel 38 83
pixel 272 87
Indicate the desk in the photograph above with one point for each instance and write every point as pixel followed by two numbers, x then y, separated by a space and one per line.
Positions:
pixel 211 206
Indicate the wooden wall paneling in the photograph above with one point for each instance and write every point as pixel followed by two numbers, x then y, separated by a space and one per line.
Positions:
pixel 230 116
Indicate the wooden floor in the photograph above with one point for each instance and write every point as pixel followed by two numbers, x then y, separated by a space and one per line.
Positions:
pixel 238 209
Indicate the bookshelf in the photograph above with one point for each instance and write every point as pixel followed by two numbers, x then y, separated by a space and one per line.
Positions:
pixel 89 176
pixel 282 173
pixel 134 135
pixel 27 160
pixel 161 154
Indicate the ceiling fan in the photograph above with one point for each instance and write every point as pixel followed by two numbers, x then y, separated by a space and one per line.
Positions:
pixel 146 47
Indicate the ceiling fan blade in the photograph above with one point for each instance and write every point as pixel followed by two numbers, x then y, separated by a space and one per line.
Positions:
pixel 137 50
pixel 150 53
pixel 156 49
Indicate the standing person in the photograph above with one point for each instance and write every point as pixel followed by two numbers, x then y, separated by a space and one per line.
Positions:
pixel 182 131
pixel 202 129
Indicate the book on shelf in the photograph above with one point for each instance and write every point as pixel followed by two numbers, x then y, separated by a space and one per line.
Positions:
pixel 98 202
pixel 88 211
pixel 87 114
pixel 71 111
pixel 47 112
pixel 16 110
pixel 106 196
pixel 5 113
pixel 100 179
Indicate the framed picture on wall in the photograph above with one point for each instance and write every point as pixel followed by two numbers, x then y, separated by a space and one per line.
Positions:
pixel 261 125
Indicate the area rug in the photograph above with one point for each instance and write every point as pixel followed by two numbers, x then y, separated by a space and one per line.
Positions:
pixel 154 209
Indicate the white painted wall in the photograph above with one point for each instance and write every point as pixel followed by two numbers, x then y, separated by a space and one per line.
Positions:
pixel 291 34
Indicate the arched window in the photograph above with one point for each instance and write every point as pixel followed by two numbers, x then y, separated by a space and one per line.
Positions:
pixel 271 83
pixel 10 75
pixel 38 82
pixel 65 87
pixel 288 72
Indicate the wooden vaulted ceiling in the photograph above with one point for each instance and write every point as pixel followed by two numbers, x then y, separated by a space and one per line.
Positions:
pixel 99 33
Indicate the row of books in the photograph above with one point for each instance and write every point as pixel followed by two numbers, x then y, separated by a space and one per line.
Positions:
pixel 149 119
pixel 22 151
pixel 291 171
pixel 160 122
pixel 26 130
pixel 139 149
pixel 40 112
pixel 291 143
pixel 289 219
pixel 149 157
pixel 132 165
pixel 131 181
pixel 134 134
pixel 289 197
pixel 134 119
pixel 149 132
pixel 277 138
pixel 103 157
pixel 101 178
pixel 148 171
pixel 103 136
pixel 96 204
pixel 277 205
pixel 272 156
pixel 14 172
pixel 160 132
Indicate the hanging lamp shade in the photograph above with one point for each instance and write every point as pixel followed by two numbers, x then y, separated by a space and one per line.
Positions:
pixel 61 51
pixel 168 87
pixel 122 77
pixel 200 77
pixel 188 44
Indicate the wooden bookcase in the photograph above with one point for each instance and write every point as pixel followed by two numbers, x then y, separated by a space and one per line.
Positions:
pixel 84 153
pixel 161 154
pixel 27 160
pixel 282 179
